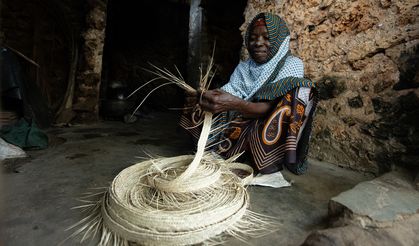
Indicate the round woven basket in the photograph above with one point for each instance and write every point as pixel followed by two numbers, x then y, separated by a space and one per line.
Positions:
pixel 137 210
pixel 181 200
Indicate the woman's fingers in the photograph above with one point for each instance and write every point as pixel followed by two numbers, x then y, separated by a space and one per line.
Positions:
pixel 214 101
pixel 191 93
pixel 207 106
pixel 208 96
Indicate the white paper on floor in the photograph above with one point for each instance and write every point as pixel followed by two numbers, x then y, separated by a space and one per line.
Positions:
pixel 275 180
pixel 10 151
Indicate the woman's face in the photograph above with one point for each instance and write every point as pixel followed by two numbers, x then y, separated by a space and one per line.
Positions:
pixel 259 44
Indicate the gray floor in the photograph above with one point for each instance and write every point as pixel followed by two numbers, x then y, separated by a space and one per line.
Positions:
pixel 38 192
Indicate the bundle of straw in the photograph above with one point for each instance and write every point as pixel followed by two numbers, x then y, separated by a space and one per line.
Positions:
pixel 181 200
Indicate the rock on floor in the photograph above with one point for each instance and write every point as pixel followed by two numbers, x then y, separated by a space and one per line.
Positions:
pixel 383 211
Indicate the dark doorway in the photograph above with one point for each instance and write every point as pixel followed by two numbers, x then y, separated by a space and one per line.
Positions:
pixel 223 21
pixel 139 33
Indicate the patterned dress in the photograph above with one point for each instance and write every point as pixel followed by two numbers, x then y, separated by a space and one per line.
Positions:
pixel 280 139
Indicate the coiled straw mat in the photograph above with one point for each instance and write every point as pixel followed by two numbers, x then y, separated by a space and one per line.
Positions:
pixel 180 200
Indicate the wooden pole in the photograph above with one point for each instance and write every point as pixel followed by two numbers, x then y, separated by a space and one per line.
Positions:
pixel 195 42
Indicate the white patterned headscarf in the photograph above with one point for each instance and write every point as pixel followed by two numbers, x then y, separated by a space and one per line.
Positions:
pixel 249 76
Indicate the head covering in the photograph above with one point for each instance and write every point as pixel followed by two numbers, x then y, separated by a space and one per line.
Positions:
pixel 277 31
pixel 249 77
pixel 259 22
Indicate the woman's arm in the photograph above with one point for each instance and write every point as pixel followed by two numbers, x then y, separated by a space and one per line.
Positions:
pixel 217 100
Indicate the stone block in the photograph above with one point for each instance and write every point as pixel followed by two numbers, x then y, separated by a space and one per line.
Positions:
pixel 383 211
pixel 378 203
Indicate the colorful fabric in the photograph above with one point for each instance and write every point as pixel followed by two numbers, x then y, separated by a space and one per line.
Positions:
pixel 280 139
pixel 277 31
pixel 274 90
pixel 260 22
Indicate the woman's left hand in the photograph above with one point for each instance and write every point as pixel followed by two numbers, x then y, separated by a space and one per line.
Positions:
pixel 191 100
pixel 216 101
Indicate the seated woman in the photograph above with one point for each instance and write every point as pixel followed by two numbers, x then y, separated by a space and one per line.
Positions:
pixel 266 108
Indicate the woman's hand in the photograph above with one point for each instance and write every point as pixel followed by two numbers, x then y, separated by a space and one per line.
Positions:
pixel 191 100
pixel 216 101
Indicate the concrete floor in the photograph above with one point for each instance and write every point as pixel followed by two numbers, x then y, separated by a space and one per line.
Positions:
pixel 38 192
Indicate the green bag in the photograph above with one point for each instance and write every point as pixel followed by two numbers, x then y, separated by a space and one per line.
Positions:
pixel 25 134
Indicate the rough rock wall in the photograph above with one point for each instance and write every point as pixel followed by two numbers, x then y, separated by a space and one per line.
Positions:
pixel 364 56
pixel 90 69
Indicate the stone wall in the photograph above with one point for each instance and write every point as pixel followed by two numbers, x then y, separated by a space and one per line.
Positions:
pixel 66 39
pixel 88 79
pixel 364 56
